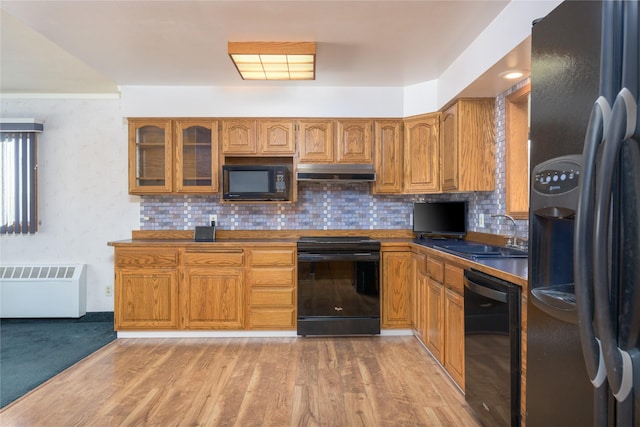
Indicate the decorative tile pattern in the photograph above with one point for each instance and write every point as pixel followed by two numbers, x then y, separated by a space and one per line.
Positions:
pixel 335 206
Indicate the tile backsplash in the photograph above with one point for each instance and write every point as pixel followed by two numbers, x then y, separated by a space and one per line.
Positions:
pixel 334 205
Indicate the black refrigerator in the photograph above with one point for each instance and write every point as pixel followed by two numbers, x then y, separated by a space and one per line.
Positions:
pixel 583 306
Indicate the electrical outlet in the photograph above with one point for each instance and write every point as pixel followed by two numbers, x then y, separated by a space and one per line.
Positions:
pixel 411 220
pixel 213 217
pixel 481 220
pixel 108 290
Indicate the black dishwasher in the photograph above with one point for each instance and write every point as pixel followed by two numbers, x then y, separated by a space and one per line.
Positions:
pixel 492 348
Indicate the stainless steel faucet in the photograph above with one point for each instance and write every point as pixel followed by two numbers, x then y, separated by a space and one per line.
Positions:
pixel 513 240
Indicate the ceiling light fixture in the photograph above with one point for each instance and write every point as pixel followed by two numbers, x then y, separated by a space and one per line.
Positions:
pixel 512 74
pixel 274 60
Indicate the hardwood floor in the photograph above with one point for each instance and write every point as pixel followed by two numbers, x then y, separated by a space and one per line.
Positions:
pixel 355 381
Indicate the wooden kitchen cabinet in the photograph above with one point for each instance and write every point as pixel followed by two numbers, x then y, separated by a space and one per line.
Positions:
pixel 196 161
pixel 354 142
pixel 257 137
pixel 435 309
pixel 150 156
pixel 171 288
pixel 272 288
pixel 467 147
pixel 316 140
pixel 388 162
pixel 239 136
pixel 454 323
pixel 212 292
pixel 419 296
pixel 173 156
pixel 422 154
pixel 276 137
pixel 395 288
pixel 335 141
pixel 517 153
pixel 146 289
pixel 439 312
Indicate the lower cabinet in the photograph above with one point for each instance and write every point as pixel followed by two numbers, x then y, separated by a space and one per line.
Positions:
pixel 419 296
pixel 435 309
pixel 212 292
pixel 438 311
pixel 396 277
pixel 146 289
pixel 272 288
pixel 205 287
pixel 454 322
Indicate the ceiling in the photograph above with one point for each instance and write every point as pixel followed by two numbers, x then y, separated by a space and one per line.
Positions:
pixel 93 47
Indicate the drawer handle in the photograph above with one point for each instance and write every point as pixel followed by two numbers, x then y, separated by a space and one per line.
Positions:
pixel 213 251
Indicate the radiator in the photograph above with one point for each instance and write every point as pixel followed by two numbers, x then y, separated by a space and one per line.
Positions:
pixel 43 291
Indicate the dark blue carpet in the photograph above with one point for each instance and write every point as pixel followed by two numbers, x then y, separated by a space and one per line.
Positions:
pixel 34 350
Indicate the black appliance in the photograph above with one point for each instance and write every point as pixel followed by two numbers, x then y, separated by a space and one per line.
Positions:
pixel 440 219
pixel 338 286
pixel 256 182
pixel 492 348
pixel 583 366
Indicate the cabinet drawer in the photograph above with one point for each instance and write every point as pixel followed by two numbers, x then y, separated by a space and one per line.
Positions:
pixel 454 278
pixel 231 258
pixel 146 258
pixel 279 318
pixel 272 277
pixel 272 257
pixel 435 269
pixel 271 297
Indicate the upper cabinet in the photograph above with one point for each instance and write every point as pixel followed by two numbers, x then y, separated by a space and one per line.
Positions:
pixel 196 156
pixel 388 156
pixel 354 141
pixel 421 154
pixel 315 141
pixel 276 137
pixel 173 156
pixel 258 137
pixel 467 134
pixel 335 141
pixel 517 153
pixel 239 136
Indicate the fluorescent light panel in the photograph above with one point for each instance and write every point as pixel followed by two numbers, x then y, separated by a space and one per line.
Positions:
pixel 274 60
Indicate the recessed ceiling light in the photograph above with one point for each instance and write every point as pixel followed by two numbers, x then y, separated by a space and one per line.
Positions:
pixel 512 74
pixel 274 60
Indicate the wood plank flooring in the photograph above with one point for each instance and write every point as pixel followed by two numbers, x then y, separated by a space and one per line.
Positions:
pixel 354 381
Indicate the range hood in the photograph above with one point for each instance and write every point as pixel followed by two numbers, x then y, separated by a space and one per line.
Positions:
pixel 336 172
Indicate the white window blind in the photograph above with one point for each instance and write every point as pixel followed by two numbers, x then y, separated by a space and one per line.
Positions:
pixel 18 178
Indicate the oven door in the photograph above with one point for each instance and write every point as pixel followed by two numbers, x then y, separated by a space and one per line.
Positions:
pixel 338 293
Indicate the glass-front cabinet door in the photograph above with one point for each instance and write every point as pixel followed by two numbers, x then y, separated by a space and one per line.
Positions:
pixel 196 156
pixel 150 156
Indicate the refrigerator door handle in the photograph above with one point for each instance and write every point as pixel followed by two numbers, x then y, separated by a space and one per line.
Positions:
pixel 583 243
pixel 583 250
pixel 618 363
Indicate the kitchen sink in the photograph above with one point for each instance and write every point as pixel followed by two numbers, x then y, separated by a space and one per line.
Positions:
pixel 481 251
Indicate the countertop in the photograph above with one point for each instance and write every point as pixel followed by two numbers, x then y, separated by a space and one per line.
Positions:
pixel 514 270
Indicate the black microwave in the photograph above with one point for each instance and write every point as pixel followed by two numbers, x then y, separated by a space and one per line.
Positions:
pixel 255 182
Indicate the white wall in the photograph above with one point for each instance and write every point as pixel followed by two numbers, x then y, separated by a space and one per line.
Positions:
pixel 83 189
pixel 261 101
pixel 505 33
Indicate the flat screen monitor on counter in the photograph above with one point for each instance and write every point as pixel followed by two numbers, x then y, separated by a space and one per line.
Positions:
pixel 440 219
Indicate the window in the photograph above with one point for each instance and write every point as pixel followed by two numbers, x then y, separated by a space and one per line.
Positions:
pixel 18 176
